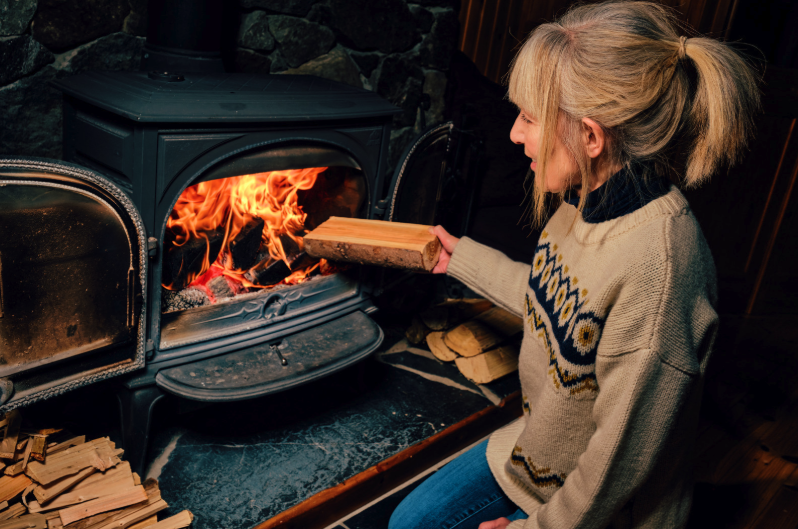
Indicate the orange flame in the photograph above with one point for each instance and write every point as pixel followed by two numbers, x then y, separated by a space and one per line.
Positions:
pixel 230 203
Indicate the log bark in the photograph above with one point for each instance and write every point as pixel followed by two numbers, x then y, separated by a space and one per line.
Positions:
pixel 375 242
pixel 417 331
pixel 491 365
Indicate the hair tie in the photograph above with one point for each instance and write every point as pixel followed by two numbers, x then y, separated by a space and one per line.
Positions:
pixel 682 50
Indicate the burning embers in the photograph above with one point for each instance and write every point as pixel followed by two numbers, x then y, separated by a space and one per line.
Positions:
pixel 242 234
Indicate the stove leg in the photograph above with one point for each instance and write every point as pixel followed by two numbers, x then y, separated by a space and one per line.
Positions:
pixel 136 407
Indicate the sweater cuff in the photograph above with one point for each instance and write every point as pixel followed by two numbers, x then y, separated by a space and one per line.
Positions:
pixel 464 263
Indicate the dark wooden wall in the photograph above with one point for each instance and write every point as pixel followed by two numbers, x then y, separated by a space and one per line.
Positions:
pixel 490 30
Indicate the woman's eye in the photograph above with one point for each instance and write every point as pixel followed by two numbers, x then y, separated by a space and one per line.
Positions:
pixel 525 119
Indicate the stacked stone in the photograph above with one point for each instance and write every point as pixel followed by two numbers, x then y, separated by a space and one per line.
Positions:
pixel 400 50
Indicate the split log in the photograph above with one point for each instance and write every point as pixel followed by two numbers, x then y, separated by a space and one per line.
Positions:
pixel 243 249
pixel 99 454
pixel 9 445
pixel 181 261
pixel 111 502
pixel 438 347
pixel 417 331
pixel 11 486
pixel 30 521
pixel 15 511
pixel 178 521
pixel 491 365
pixel 488 330
pixel 375 242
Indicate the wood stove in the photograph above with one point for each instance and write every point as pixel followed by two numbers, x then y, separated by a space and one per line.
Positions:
pixel 97 278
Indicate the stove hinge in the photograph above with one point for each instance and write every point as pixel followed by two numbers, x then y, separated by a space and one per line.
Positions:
pixel 152 247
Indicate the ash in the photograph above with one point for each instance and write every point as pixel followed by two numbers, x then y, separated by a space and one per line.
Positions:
pixel 187 298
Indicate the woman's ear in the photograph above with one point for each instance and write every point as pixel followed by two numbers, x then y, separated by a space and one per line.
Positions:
pixel 593 137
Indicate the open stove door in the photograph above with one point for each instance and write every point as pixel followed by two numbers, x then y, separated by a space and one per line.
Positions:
pixel 435 180
pixel 73 263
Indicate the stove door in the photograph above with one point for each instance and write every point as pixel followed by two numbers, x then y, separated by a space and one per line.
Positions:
pixel 72 273
pixel 434 181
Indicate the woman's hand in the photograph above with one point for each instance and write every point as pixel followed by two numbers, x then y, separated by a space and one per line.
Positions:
pixel 448 243
pixel 500 523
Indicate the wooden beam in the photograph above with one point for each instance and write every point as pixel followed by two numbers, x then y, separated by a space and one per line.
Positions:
pixel 375 242
pixel 330 505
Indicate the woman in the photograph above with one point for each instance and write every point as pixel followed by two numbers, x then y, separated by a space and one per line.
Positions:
pixel 619 299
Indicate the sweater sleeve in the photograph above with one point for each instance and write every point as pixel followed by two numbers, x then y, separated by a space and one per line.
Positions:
pixel 490 273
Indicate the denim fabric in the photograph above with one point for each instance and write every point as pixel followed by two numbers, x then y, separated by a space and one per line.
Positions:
pixel 461 495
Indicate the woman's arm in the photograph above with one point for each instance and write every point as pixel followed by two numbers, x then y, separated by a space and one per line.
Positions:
pixel 484 270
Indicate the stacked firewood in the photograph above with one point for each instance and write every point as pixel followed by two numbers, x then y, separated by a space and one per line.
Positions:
pixel 482 340
pixel 53 479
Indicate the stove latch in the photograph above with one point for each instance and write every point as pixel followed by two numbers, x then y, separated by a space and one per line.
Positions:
pixel 152 247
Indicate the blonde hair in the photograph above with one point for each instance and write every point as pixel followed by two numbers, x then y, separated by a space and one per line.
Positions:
pixel 659 97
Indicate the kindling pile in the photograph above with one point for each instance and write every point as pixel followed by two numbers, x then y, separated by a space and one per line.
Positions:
pixel 53 479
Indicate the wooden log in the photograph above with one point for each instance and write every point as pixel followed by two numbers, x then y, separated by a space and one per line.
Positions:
pixel 178 521
pixel 180 262
pixel 490 365
pixel 9 445
pixel 375 242
pixel 118 500
pixel 15 511
pixel 29 521
pixel 271 271
pixel 11 486
pixel 488 330
pixel 243 249
pixel 438 347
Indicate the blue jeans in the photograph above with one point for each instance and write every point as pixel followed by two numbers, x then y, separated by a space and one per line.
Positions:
pixel 461 495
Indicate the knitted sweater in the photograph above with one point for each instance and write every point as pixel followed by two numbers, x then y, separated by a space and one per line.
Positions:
pixel 619 324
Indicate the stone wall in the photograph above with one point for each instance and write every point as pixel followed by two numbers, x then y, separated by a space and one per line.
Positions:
pixel 401 50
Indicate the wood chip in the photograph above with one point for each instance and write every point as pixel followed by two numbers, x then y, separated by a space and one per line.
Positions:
pixel 9 445
pixel 152 520
pixel 15 511
pixel 3 505
pixel 11 486
pixel 29 521
pixel 60 447
pixel 130 515
pixel 38 447
pixel 178 521
pixel 121 499
pixel 95 486
pixel 99 454
pixel 47 493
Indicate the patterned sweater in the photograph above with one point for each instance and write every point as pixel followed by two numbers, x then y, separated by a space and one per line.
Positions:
pixel 619 324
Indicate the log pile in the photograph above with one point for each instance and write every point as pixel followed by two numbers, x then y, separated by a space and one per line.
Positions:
pixel 55 480
pixel 482 340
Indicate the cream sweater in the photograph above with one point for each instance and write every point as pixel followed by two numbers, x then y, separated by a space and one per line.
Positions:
pixel 619 324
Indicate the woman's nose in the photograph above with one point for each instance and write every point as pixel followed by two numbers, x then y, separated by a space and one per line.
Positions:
pixel 516 134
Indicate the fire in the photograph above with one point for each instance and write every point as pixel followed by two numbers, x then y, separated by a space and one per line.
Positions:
pixel 229 204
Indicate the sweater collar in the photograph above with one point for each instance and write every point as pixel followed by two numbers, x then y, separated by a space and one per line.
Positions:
pixel 625 192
